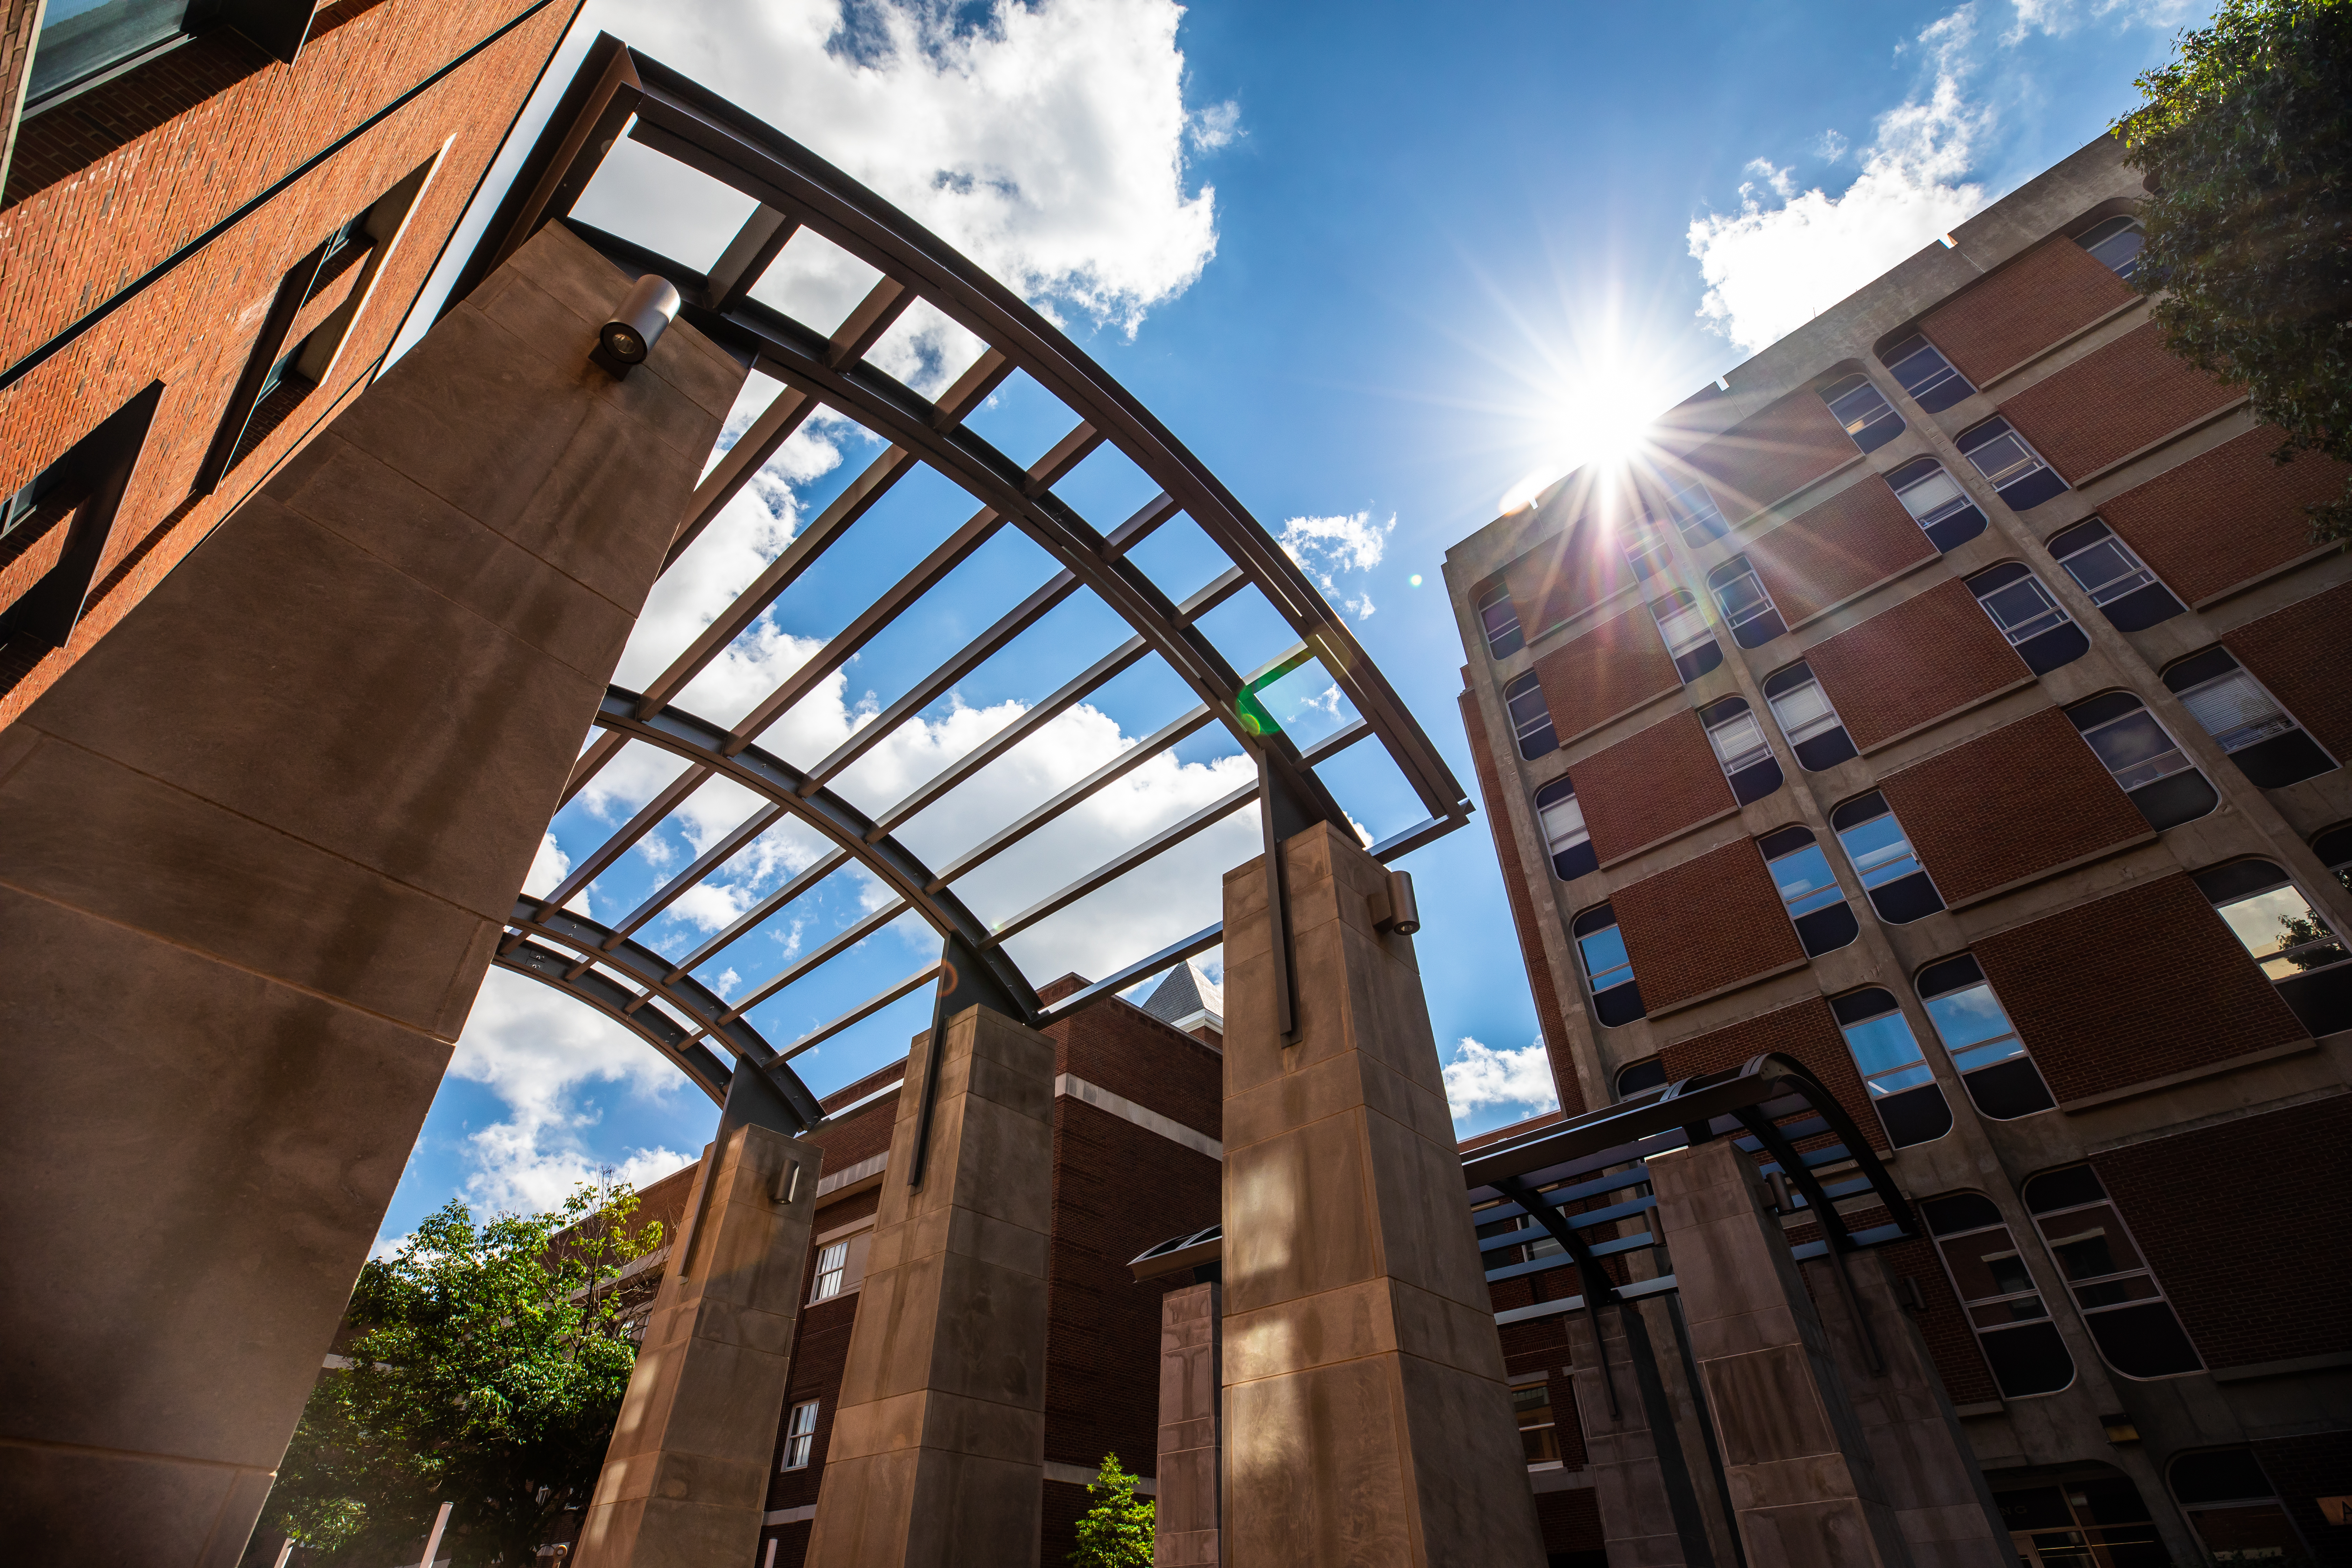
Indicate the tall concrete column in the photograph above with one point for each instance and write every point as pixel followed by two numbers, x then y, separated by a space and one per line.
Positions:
pixel 256 850
pixel 685 1478
pixel 1367 1420
pixel 939 1448
pixel 1184 1509
pixel 1643 1491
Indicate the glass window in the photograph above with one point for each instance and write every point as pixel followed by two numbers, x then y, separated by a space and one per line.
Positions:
pixel 1531 718
pixel 1645 552
pixel 84 39
pixel 1616 999
pixel 1696 514
pixel 1935 502
pixel 2236 1509
pixel 2126 1313
pixel 832 1269
pixel 1499 618
pixel 2118 581
pixel 1809 891
pixel 1997 1292
pixel 1565 840
pixel 2016 469
pixel 1814 731
pixel 2263 738
pixel 1864 412
pixel 799 1436
pixel 1740 746
pixel 2289 941
pixel 1538 1432
pixel 2045 636
pixel 1891 874
pixel 1747 608
pixel 2116 244
pixel 1682 622
pixel 1902 1088
pixel 2142 759
pixel 1925 375
pixel 1641 1078
pixel 1995 1070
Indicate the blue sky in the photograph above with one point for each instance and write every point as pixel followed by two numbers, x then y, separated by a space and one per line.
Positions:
pixel 1378 268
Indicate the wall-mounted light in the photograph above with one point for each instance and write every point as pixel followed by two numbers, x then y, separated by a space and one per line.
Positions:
pixel 1403 914
pixel 636 326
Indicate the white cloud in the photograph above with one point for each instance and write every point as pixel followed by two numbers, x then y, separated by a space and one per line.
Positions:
pixel 1217 125
pixel 1326 547
pixel 2059 18
pixel 1479 1076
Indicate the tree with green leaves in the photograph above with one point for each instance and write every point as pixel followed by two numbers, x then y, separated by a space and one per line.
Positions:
pixel 2246 139
pixel 1117 1531
pixel 487 1372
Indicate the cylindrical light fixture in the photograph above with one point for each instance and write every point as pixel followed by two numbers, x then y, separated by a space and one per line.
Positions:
pixel 1404 912
pixel 638 325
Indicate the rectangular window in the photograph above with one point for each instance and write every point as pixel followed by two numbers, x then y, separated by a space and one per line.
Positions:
pixel 1809 891
pixel 832 1269
pixel 1696 514
pixel 1565 838
pixel 1902 1088
pixel 2263 739
pixel 1523 700
pixel 1864 410
pixel 1682 623
pixel 1738 742
pixel 799 1436
pixel 2103 566
pixel 1982 1043
pixel 1996 1289
pixel 1814 731
pixel 1539 1429
pixel 1747 608
pixel 2135 750
pixel 1607 968
pixel 2022 608
pixel 1924 372
pixel 2015 469
pixel 1647 552
pixel 1499 619
pixel 2235 710
pixel 1898 885
pixel 2126 1313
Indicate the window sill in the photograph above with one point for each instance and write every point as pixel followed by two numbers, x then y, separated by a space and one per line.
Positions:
pixel 2174 1080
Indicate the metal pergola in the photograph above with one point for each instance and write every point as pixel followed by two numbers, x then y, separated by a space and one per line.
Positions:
pixel 621 93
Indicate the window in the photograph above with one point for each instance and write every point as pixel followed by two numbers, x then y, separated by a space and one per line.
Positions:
pixel 1995 1070
pixel 2020 1344
pixel 1565 840
pixel 1902 1088
pixel 2127 1315
pixel 2116 244
pixel 1864 412
pixel 1814 731
pixel 1645 552
pixel 1891 874
pixel 1925 375
pixel 2092 1520
pixel 1754 619
pixel 85 42
pixel 1642 1077
pixel 832 1269
pixel 1740 746
pixel 1531 719
pixel 1538 1432
pixel 2142 759
pixel 2118 581
pixel 2036 625
pixel 2016 469
pixel 1936 504
pixel 1809 891
pixel 1607 970
pixel 2236 1509
pixel 2269 747
pixel 1683 625
pixel 2334 848
pixel 1696 514
pixel 80 492
pixel 2289 942
pixel 1499 619
pixel 799 1436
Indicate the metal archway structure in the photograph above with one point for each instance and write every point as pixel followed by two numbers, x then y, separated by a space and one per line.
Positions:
pixel 620 93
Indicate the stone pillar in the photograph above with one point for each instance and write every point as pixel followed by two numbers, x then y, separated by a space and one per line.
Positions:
pixel 1648 1504
pixel 685 1478
pixel 1366 1417
pixel 1184 1512
pixel 939 1448
pixel 256 850
pixel 1798 1464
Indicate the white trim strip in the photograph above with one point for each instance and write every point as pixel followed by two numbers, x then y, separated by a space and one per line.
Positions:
pixel 1079 1476
pixel 871 1167
pixel 1142 1116
pixel 801 1515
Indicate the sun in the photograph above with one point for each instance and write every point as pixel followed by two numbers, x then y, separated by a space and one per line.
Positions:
pixel 1601 417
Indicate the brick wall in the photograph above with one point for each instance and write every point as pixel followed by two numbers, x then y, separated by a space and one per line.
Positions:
pixel 820 1352
pixel 2043 295
pixel 2022 799
pixel 1785 445
pixel 2139 985
pixel 1649 785
pixel 2251 1250
pixel 1859 536
pixel 858 1137
pixel 2226 515
pixel 1565 574
pixel 1951 1343
pixel 1618 664
pixel 1117 1046
pixel 2298 653
pixel 1806 1034
pixel 1921 659
pixel 1549 1017
pixel 2306 1469
pixel 2114 401
pixel 1703 925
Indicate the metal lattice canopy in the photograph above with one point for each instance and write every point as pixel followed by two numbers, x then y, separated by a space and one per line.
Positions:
pixel 659 993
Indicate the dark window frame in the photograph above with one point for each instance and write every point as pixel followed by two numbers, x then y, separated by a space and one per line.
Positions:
pixel 2273 761
pixel 1578 858
pixel 1752 773
pixel 2031 1344
pixel 1858 403
pixel 1822 916
pixel 1755 627
pixel 2133 598
pixel 1619 1003
pixel 2093 1294
pixel 2168 796
pixel 81 492
pixel 1937 387
pixel 1949 523
pixel 2043 643
pixel 2002 1088
pixel 1525 731
pixel 2029 483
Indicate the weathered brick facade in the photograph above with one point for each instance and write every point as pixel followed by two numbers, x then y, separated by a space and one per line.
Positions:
pixel 2225 516
pixel 1931 655
pixel 2053 290
pixel 2111 402
pixel 1709 922
pixel 1779 450
pixel 1856 540
pixel 1651 784
pixel 1806 1033
pixel 1565 575
pixel 1618 665
pixel 2299 653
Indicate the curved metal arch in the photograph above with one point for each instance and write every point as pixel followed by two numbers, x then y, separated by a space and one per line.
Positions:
pixel 625 1007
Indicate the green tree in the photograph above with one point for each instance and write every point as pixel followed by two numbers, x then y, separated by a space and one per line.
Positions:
pixel 2246 139
pixel 488 1373
pixel 1117 1531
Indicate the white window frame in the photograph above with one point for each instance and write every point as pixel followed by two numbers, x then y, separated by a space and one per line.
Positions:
pixel 832 1270
pixel 800 1436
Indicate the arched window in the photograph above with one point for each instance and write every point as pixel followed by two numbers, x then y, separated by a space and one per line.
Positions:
pixel 1995 1070
pixel 2036 625
pixel 2016 469
pixel 1996 1287
pixel 1696 514
pixel 2118 581
pixel 1902 1088
pixel 1747 608
pixel 2334 848
pixel 1891 874
pixel 1925 375
pixel 1531 718
pixel 1864 410
pixel 1740 746
pixel 1565 840
pixel 2235 1508
pixel 2129 1320
pixel 2116 244
pixel 2143 759
pixel 1815 731
pixel 2263 738
pixel 2289 942
pixel 1642 1077
pixel 1608 972
pixel 1809 891
pixel 1936 504
pixel 1499 618
pixel 1682 622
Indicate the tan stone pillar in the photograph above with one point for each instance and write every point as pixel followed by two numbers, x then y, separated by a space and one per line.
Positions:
pixel 1648 1504
pixel 1367 1420
pixel 939 1448
pixel 1184 1510
pixel 685 1478
pixel 255 849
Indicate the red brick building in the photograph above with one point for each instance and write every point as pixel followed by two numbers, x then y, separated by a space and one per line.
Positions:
pixel 215 218
pixel 1953 700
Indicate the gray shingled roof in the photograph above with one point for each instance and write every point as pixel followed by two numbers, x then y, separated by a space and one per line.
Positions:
pixel 1185 992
